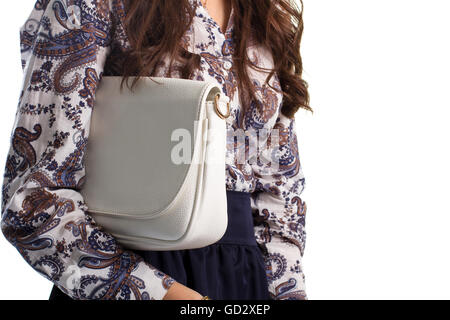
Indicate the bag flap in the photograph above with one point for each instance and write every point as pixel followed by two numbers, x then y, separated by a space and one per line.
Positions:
pixel 133 139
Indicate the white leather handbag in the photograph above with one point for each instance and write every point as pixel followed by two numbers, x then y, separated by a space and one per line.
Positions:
pixel 155 163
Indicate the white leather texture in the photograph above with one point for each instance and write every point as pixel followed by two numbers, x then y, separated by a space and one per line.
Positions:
pixel 133 188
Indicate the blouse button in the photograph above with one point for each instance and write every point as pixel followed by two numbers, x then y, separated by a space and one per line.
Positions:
pixel 227 65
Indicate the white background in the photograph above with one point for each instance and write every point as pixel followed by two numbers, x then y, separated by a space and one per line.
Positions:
pixel 375 152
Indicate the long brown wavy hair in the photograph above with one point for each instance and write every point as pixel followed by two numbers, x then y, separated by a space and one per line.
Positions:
pixel 275 24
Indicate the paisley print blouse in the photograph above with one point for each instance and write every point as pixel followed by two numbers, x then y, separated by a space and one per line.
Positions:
pixel 64 46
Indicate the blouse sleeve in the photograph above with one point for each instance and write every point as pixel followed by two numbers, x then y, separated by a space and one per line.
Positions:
pixel 279 212
pixel 64 45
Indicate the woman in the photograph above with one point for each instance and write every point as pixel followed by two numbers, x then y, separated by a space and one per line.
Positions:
pixel 67 46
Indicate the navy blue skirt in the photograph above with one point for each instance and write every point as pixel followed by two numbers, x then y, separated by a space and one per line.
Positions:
pixel 231 269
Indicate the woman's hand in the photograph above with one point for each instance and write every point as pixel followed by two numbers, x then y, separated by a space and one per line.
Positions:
pixel 177 291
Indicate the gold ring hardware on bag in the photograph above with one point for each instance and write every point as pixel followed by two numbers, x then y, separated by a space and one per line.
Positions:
pixel 216 107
